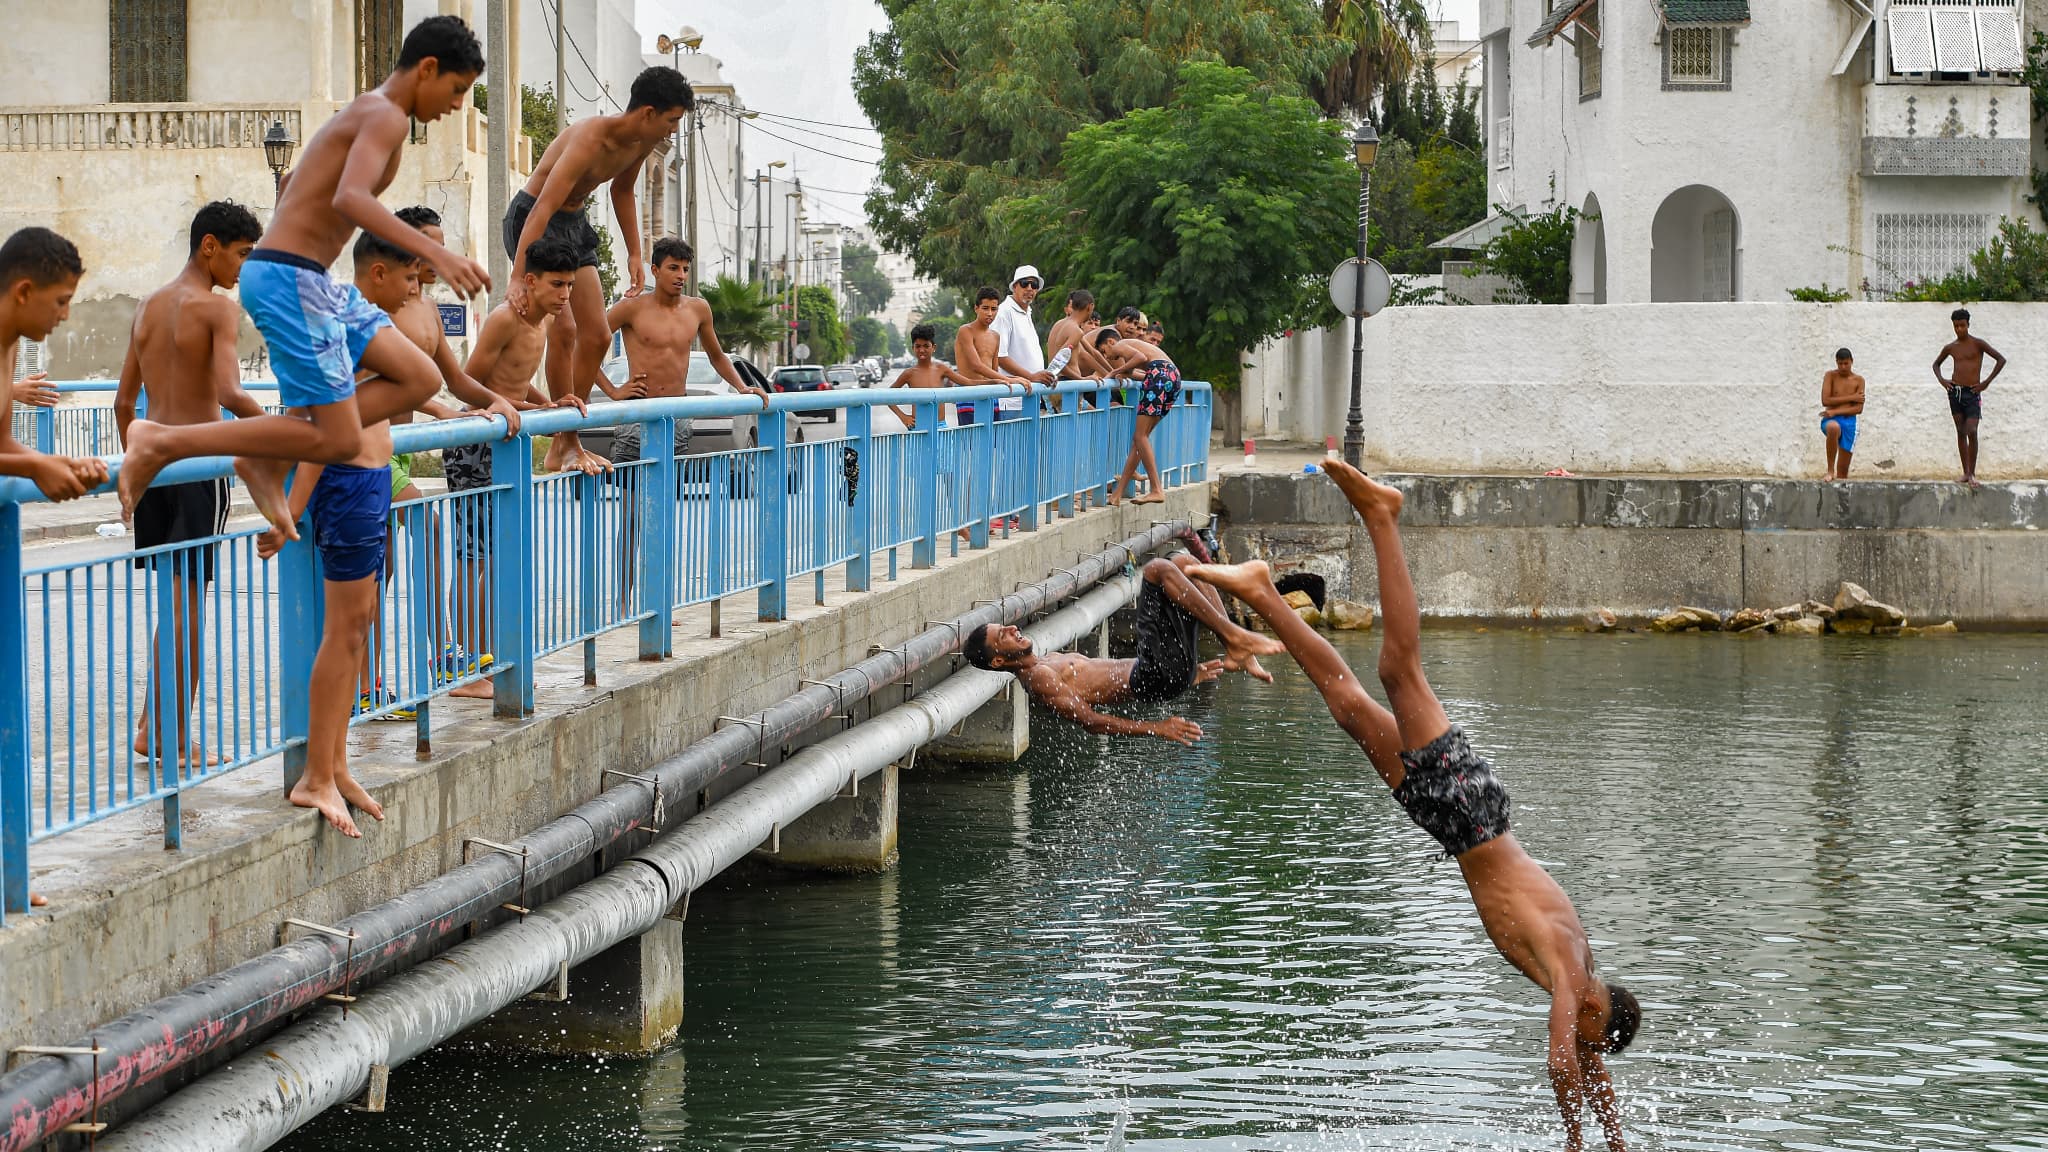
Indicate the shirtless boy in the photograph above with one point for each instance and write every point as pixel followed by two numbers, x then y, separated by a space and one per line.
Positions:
pixel 974 351
pixel 661 329
pixel 1069 335
pixel 319 332
pixel 1143 361
pixel 1453 794
pixel 508 353
pixel 39 273
pixel 1172 610
pixel 926 373
pixel 1966 383
pixel 349 507
pixel 591 152
pixel 181 352
pixel 1841 401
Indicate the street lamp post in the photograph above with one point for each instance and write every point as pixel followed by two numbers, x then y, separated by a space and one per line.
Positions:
pixel 277 152
pixel 761 178
pixel 1365 148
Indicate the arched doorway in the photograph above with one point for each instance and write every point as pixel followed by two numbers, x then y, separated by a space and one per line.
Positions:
pixel 1589 255
pixel 1695 247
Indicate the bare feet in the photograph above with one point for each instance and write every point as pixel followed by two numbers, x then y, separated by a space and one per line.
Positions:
pixel 1251 581
pixel 330 804
pixel 143 744
pixel 560 448
pixel 147 454
pixel 1367 495
pixel 265 481
pixel 591 463
pixel 1153 497
pixel 356 795
pixel 1116 498
pixel 38 900
pixel 1241 653
pixel 476 690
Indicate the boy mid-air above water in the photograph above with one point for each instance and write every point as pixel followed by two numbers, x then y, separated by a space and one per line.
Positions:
pixel 1966 383
pixel 319 331
pixel 181 354
pixel 1172 610
pixel 1841 401
pixel 591 152
pixel 1453 794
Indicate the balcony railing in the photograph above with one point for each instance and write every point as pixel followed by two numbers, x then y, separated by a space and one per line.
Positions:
pixel 1945 130
pixel 114 126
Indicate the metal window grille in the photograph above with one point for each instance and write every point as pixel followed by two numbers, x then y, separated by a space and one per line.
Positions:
pixel 31 357
pixel 1697 55
pixel 147 52
pixel 1920 246
pixel 380 29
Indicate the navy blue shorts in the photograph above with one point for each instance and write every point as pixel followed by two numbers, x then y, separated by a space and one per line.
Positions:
pixel 348 510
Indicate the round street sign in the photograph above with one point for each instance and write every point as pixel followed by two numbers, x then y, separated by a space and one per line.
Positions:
pixel 1379 287
pixel 803 351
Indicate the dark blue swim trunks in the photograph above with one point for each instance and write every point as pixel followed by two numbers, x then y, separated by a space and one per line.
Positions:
pixel 348 510
pixel 1451 792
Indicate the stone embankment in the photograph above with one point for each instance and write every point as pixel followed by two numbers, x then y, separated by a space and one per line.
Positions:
pixel 1855 612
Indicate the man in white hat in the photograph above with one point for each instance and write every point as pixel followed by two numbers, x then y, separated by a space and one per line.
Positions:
pixel 1017 350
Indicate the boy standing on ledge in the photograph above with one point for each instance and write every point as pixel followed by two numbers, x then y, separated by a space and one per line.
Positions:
pixel 1966 384
pixel 1841 401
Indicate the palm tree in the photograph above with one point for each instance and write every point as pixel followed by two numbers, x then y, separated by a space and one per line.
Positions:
pixel 744 315
pixel 1388 39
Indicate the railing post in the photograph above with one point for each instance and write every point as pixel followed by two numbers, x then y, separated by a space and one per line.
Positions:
pixel 1033 462
pixel 15 812
pixel 166 702
pixel 982 494
pixel 655 512
pixel 589 516
pixel 771 497
pixel 46 431
pixel 859 424
pixel 925 552
pixel 301 615
pixel 422 563
pixel 512 577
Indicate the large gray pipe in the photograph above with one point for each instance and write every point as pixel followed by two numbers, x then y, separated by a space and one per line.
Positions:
pixel 324 1060
pixel 40 1097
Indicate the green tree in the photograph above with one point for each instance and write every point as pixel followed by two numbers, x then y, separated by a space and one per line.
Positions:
pixel 867 336
pixel 1382 40
pixel 1534 253
pixel 868 290
pixel 538 119
pixel 975 100
pixel 1220 213
pixel 743 315
pixel 817 310
pixel 607 263
pixel 894 335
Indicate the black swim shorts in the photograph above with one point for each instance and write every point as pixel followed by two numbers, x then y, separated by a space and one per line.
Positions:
pixel 571 226
pixel 1967 403
pixel 176 513
pixel 1451 792
pixel 1167 658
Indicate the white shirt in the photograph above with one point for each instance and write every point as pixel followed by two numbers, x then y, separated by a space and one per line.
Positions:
pixel 1017 339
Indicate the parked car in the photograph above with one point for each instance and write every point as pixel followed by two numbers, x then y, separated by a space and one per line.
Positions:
pixel 846 376
pixel 708 434
pixel 804 378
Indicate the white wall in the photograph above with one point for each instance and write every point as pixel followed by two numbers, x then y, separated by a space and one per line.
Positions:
pixel 1716 389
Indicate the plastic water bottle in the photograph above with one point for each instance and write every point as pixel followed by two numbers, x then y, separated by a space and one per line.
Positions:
pixel 111 530
pixel 1059 360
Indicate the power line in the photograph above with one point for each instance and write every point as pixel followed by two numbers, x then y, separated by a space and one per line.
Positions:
pixel 824 123
pixel 578 48
pixel 817 150
pixel 827 136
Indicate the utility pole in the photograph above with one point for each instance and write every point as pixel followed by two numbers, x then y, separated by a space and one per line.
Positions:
pixel 498 181
pixel 561 72
pixel 690 229
pixel 757 272
pixel 739 203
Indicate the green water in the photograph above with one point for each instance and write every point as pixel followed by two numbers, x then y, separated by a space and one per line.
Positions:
pixel 1821 865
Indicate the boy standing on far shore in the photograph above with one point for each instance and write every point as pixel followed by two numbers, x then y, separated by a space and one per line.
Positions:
pixel 1841 401
pixel 1965 388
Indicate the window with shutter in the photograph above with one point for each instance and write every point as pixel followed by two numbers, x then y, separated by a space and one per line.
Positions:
pixel 147 51
pixel 380 30
pixel 1586 43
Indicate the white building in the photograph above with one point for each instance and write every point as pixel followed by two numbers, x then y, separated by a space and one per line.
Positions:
pixel 1453 57
pixel 1732 153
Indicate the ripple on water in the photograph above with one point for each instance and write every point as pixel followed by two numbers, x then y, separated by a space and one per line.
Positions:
pixel 1822 867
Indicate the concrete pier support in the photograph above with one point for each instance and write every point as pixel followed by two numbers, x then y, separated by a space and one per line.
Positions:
pixel 849 834
pixel 627 1000
pixel 999 732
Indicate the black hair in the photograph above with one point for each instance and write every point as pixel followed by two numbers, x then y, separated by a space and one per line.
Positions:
pixel 552 254
pixel 419 216
pixel 225 221
pixel 975 648
pixel 1128 312
pixel 1624 1016
pixel 985 293
pixel 371 248
pixel 1104 335
pixel 1962 314
pixel 447 40
pixel 671 248
pixel 40 256
pixel 1155 326
pixel 924 332
pixel 1843 354
pixel 1080 298
pixel 661 88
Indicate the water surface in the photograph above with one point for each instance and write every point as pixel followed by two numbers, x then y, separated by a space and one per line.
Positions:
pixel 1821 865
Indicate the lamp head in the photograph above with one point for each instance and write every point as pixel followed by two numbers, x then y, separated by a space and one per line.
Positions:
pixel 278 145
pixel 1365 144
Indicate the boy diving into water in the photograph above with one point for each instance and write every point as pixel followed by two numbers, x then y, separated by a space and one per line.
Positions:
pixel 1453 794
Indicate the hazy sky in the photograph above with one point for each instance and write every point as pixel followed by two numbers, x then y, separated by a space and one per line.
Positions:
pixel 795 58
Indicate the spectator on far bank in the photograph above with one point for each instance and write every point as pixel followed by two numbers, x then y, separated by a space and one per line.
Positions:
pixel 1841 401
pixel 1017 351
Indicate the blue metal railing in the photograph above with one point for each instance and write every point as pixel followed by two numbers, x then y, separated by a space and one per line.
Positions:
pixel 483 583
pixel 87 429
